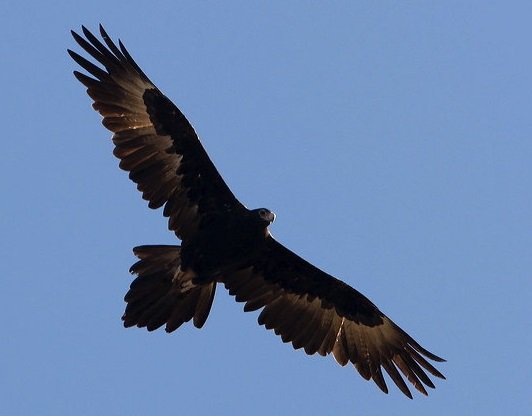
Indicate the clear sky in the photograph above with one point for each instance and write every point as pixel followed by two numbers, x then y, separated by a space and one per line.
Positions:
pixel 392 139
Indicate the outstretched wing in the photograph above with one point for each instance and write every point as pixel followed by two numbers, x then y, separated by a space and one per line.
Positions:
pixel 153 140
pixel 321 314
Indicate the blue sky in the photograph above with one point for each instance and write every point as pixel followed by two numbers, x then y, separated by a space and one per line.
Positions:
pixel 393 140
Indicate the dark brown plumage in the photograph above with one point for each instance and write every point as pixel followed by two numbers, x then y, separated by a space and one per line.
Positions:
pixel 224 242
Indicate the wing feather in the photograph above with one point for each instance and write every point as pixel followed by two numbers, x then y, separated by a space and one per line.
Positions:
pixel 321 329
pixel 308 327
pixel 153 140
pixel 321 314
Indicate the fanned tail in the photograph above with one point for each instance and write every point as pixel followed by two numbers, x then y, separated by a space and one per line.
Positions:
pixel 163 294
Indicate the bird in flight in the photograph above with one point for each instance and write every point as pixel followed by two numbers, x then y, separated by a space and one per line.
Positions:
pixel 224 242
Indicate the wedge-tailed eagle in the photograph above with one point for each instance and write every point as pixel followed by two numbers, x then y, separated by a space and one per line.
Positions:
pixel 224 242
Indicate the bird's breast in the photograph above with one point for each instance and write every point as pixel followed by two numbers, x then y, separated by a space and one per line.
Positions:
pixel 220 249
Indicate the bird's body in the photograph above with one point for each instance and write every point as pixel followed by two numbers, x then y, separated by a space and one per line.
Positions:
pixel 223 242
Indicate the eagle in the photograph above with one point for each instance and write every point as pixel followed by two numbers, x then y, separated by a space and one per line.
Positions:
pixel 223 242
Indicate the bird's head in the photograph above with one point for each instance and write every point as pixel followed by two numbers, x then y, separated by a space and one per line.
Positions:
pixel 263 216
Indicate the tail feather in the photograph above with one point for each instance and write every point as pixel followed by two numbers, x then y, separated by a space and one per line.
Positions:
pixel 203 307
pixel 163 294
